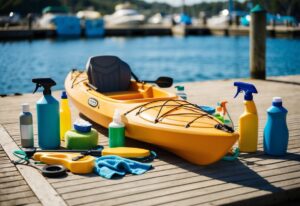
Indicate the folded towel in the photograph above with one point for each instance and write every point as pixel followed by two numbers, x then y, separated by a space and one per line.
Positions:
pixel 112 165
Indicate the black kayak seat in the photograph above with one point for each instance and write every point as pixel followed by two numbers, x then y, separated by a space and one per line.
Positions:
pixel 108 73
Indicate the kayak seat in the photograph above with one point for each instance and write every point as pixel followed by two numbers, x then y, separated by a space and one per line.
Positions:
pixel 108 73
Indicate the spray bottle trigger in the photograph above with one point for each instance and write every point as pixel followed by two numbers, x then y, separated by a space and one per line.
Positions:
pixel 36 88
pixel 239 90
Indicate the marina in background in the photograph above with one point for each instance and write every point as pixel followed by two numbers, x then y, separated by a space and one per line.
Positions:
pixel 128 19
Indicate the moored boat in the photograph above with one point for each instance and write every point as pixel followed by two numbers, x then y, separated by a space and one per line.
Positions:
pixel 124 15
pixel 58 18
pixel 92 23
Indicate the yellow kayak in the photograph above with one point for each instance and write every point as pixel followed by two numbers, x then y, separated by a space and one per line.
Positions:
pixel 155 116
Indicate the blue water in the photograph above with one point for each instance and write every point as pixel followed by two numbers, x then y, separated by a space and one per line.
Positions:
pixel 184 59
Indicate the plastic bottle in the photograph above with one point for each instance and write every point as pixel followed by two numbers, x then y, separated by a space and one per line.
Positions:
pixel 276 133
pixel 116 131
pixel 47 109
pixel 248 122
pixel 223 115
pixel 26 128
pixel 180 92
pixel 65 115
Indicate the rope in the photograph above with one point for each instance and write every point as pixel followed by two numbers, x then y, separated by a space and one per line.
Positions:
pixel 76 77
pixel 195 110
pixel 23 159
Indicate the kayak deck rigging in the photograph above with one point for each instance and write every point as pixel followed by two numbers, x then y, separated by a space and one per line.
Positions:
pixel 196 112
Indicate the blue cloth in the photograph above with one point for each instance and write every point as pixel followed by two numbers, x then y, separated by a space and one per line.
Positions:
pixel 112 165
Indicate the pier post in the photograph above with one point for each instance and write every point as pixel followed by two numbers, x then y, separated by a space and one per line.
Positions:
pixel 236 20
pixel 258 43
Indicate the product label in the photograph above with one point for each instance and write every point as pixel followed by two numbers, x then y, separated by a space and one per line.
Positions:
pixel 26 132
pixel 116 137
pixel 93 102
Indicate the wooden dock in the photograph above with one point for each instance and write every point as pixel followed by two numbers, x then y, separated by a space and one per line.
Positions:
pixel 19 33
pixel 253 179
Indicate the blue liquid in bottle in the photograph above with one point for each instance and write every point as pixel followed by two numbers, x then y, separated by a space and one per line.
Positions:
pixel 47 115
pixel 48 122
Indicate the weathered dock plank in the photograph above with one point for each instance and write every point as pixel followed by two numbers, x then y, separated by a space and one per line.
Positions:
pixel 13 188
pixel 41 188
pixel 253 179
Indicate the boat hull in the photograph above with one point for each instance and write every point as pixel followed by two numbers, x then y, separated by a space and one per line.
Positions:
pixel 199 146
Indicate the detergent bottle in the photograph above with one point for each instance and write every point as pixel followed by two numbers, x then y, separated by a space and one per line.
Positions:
pixel 276 133
pixel 65 115
pixel 116 131
pixel 180 92
pixel 47 109
pixel 248 122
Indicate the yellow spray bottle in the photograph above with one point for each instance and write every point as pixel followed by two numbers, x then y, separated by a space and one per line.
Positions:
pixel 248 123
pixel 65 115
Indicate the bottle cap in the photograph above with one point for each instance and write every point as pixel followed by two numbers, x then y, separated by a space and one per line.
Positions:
pixel 277 99
pixel 81 125
pixel 117 116
pixel 180 88
pixel 25 107
pixel 64 95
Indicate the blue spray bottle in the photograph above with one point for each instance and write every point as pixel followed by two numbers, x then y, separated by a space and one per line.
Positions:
pixel 47 109
pixel 276 134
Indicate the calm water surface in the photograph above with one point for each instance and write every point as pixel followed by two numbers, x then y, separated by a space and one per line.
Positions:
pixel 184 59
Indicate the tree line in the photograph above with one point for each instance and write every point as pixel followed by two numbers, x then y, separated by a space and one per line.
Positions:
pixel 283 7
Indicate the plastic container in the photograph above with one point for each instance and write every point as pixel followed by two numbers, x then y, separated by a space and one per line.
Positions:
pixel 248 122
pixel 47 108
pixel 116 131
pixel 82 126
pixel 65 115
pixel 276 133
pixel 180 92
pixel 26 128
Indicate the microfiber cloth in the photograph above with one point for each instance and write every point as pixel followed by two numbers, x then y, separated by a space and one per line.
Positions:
pixel 111 165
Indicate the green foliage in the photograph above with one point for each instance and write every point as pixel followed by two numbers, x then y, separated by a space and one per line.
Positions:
pixel 283 7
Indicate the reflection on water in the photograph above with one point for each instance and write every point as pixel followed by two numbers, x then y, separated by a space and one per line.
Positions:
pixel 184 59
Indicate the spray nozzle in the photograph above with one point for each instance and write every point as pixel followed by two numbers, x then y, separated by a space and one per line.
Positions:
pixel 47 83
pixel 222 108
pixel 247 88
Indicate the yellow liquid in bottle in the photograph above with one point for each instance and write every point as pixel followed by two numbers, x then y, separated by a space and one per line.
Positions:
pixel 248 128
pixel 65 118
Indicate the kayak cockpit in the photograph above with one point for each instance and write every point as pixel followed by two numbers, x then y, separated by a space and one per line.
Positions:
pixel 139 91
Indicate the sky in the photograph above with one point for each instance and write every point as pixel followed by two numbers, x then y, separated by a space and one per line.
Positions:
pixel 179 2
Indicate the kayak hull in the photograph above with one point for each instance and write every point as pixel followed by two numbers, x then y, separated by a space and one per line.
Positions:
pixel 199 145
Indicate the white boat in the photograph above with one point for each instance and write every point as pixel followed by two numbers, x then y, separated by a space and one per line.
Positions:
pixel 219 20
pixel 92 22
pixel 58 18
pixel 225 16
pixel 159 18
pixel 124 15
